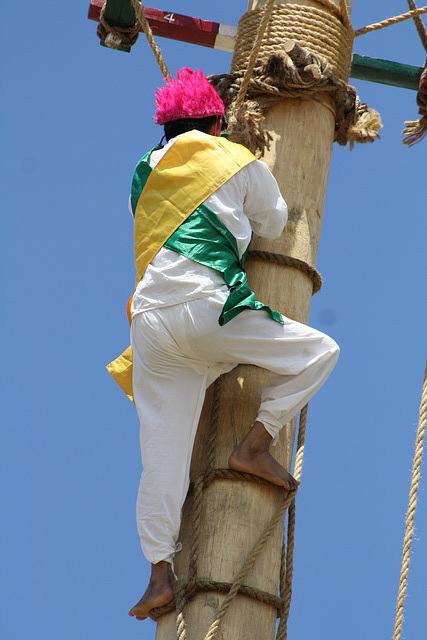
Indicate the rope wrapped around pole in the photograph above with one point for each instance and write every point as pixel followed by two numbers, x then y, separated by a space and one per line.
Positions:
pixel 293 51
pixel 254 54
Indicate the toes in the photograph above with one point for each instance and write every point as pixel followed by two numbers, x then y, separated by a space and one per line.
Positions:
pixel 137 615
pixel 291 484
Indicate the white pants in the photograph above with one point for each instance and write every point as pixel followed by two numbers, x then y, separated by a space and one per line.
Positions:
pixel 178 352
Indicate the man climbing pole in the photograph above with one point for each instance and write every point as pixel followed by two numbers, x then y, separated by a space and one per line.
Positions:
pixel 196 201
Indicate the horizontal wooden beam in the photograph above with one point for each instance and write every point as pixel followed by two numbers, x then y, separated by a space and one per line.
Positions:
pixel 385 72
pixel 220 36
pixel 176 26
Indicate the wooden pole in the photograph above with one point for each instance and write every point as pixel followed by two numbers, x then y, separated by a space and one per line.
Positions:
pixel 235 513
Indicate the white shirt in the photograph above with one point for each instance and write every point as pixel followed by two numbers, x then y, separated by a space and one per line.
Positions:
pixel 249 201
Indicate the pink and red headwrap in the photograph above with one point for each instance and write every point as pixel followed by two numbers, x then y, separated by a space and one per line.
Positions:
pixel 189 96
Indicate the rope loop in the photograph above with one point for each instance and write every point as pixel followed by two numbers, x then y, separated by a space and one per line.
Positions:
pixel 221 587
pixel 289 261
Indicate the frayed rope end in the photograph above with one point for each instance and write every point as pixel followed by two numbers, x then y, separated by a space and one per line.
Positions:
pixel 414 131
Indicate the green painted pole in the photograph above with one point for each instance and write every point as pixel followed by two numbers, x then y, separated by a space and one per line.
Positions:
pixel 385 72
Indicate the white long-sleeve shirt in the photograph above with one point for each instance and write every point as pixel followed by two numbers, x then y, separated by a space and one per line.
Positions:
pixel 249 201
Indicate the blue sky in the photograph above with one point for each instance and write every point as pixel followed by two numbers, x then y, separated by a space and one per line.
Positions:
pixel 75 119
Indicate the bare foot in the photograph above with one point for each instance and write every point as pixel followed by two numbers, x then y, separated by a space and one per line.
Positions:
pixel 158 593
pixel 253 456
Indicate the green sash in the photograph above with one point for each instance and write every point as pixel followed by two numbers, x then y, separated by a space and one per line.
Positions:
pixel 205 239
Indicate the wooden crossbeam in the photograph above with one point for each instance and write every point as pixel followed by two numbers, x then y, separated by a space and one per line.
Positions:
pixel 174 26
pixel 221 36
pixel 385 72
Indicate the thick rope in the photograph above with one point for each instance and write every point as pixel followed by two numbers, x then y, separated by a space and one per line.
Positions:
pixel 223 587
pixel 333 8
pixel 416 130
pixel 194 585
pixel 289 261
pixel 409 532
pixel 304 51
pixel 278 517
pixel 390 21
pixel 267 11
pixel 268 8
pixel 187 591
pixel 422 32
pixel 244 116
pixel 287 567
pixel 286 574
pixel 323 34
pixel 140 16
pixel 283 602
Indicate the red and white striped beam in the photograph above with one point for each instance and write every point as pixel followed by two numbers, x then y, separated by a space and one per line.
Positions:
pixel 184 28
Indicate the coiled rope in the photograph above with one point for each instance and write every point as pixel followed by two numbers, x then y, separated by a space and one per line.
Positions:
pixel 298 51
pixel 266 15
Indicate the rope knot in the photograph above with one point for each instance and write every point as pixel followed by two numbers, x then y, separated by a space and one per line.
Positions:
pixel 114 36
pixel 297 67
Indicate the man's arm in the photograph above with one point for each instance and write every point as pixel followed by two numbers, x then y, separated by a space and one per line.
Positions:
pixel 264 205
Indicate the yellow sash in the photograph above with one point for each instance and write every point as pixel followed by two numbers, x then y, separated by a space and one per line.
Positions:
pixel 194 167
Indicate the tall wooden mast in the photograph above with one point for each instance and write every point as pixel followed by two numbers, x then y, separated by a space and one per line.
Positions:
pixel 235 513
